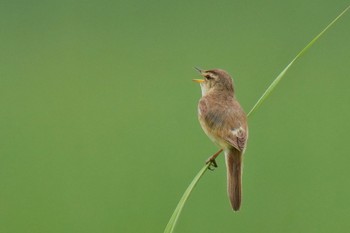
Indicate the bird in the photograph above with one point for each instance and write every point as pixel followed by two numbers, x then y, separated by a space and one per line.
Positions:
pixel 224 121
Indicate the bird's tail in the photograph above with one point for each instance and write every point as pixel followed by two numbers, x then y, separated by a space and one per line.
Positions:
pixel 234 162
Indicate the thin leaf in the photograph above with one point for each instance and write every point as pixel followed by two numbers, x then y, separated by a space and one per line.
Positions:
pixel 173 220
pixel 280 76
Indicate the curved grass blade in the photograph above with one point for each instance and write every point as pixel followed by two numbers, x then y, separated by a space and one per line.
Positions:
pixel 280 76
pixel 173 220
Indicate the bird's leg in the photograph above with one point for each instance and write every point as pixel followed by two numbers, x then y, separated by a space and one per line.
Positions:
pixel 211 160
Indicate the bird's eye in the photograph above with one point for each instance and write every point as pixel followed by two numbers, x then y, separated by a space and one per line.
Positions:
pixel 208 77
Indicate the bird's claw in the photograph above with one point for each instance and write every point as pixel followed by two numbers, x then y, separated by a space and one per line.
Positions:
pixel 212 164
pixel 211 161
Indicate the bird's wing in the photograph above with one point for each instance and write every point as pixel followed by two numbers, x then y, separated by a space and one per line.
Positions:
pixel 226 123
pixel 237 137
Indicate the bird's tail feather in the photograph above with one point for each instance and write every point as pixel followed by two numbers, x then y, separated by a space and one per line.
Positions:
pixel 234 162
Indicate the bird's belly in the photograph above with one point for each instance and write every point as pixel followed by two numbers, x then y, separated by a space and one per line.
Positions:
pixel 213 136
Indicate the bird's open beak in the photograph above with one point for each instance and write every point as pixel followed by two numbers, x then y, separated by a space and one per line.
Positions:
pixel 199 70
pixel 198 80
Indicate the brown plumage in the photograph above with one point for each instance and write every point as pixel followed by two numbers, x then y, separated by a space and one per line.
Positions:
pixel 224 121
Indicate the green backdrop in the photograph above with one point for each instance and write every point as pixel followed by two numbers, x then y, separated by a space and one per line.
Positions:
pixel 98 115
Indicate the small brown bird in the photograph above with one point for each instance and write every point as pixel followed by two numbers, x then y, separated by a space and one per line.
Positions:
pixel 224 121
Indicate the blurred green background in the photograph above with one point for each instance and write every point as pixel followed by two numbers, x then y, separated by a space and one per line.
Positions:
pixel 99 129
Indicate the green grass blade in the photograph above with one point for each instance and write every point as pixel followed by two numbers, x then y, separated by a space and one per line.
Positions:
pixel 284 71
pixel 173 220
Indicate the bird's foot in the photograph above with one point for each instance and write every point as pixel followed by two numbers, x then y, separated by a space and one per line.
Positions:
pixel 211 161
pixel 212 164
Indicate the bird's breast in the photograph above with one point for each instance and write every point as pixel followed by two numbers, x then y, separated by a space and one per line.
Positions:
pixel 210 130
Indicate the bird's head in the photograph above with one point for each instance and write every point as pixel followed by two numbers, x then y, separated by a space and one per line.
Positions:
pixel 215 80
